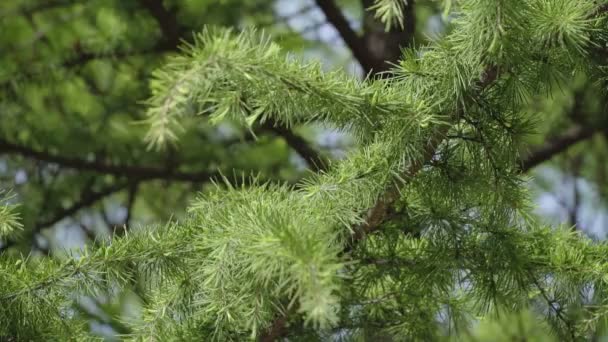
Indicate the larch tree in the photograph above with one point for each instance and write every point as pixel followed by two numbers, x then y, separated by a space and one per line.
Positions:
pixel 424 230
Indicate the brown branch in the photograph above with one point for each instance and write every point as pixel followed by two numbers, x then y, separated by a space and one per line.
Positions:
pixel 313 158
pixel 119 229
pixel 276 330
pixel 392 43
pixel 88 231
pixel 132 172
pixel 166 20
pixel 380 210
pixel 86 201
pixel 557 145
pixel 335 16
pixel 385 47
pixel 88 198
pixel 131 202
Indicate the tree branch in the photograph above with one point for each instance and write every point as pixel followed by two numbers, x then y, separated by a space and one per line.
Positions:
pixel 557 145
pixel 132 172
pixel 379 212
pixel 86 201
pixel 276 330
pixel 166 20
pixel 385 47
pixel 552 304
pixel 88 198
pixel 374 52
pixel 313 158
pixel 353 41
pixel 131 202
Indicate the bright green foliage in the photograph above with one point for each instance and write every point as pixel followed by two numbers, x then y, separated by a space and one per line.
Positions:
pixel 389 12
pixel 9 218
pixel 445 131
pixel 73 82
pixel 248 79
pixel 523 326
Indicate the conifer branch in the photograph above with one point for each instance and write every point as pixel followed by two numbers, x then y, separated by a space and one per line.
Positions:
pixel 543 153
pixel 391 194
pixel 169 26
pixel 380 210
pixel 551 303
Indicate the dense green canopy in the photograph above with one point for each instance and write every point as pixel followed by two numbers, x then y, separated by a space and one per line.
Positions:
pixel 167 178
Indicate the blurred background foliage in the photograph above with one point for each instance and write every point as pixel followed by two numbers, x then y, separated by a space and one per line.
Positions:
pixel 74 78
